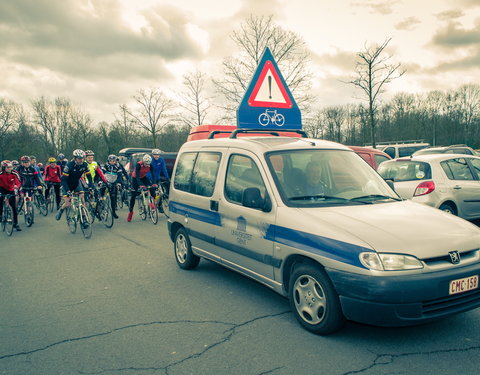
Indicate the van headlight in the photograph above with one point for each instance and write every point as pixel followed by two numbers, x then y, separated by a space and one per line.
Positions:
pixel 389 262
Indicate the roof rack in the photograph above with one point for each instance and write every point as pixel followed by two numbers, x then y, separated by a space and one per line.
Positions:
pixel 272 132
pixel 401 142
pixel 215 132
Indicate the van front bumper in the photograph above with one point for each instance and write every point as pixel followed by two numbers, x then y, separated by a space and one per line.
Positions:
pixel 403 300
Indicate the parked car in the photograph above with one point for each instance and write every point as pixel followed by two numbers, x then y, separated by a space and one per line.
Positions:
pixel 402 149
pixel 453 149
pixel 311 220
pixel 445 181
pixel 371 155
pixel 130 156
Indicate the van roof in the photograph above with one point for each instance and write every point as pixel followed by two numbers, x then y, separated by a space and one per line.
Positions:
pixel 263 144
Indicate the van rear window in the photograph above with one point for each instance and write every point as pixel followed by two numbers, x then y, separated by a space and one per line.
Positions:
pixel 405 170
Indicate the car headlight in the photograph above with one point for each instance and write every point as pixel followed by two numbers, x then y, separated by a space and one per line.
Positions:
pixel 389 262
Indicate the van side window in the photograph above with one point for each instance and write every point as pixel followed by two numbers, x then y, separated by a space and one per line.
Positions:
pixel 242 173
pixel 183 173
pixel 205 173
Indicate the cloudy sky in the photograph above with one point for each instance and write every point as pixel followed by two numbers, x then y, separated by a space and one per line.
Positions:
pixel 100 53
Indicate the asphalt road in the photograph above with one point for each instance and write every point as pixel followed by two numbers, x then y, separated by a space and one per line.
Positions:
pixel 118 304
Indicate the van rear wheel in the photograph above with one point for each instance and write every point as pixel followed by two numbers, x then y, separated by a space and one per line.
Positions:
pixel 314 301
pixel 182 247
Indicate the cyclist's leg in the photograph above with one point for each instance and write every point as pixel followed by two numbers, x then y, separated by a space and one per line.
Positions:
pixel 113 199
pixel 56 188
pixel 12 202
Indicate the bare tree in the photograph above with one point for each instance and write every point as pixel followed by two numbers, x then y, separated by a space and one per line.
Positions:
pixel 255 34
pixel 125 124
pixel 46 122
pixel 334 118
pixel 153 112
pixel 7 118
pixel 314 125
pixel 373 72
pixel 81 130
pixel 194 99
pixel 469 103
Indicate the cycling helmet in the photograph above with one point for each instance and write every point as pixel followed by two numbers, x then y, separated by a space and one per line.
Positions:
pixel 147 159
pixel 15 163
pixel 156 151
pixel 60 157
pixel 51 160
pixel 6 164
pixel 89 153
pixel 33 157
pixel 112 157
pixel 80 154
pixel 25 158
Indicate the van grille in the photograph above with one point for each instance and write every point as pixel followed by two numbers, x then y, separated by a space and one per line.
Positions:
pixel 466 255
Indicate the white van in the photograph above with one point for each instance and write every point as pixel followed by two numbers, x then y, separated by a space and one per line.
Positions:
pixel 311 220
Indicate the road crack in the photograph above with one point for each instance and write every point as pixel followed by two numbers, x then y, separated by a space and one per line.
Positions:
pixel 387 359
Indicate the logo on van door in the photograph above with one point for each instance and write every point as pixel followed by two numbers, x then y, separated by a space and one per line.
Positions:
pixel 241 232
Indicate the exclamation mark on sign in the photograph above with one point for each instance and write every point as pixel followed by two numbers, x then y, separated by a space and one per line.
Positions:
pixel 270 86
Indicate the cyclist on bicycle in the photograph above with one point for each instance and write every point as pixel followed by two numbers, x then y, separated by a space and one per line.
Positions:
pixel 93 167
pixel 158 167
pixel 9 184
pixel 33 163
pixel 140 180
pixel 114 175
pixel 61 161
pixel 29 177
pixel 52 175
pixel 72 173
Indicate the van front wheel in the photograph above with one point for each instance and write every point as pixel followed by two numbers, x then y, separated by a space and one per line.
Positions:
pixel 314 300
pixel 182 247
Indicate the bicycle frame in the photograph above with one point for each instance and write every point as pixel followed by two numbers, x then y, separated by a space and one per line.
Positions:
pixel 78 213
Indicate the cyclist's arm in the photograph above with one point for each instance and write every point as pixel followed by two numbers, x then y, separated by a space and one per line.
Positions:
pixel 163 168
pixel 100 173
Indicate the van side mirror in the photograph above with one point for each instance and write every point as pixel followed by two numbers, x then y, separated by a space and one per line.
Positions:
pixel 252 198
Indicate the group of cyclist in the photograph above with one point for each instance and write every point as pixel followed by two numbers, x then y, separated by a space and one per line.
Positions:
pixel 78 175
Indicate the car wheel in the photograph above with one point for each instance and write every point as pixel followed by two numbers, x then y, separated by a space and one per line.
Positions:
pixel 314 300
pixel 182 247
pixel 447 207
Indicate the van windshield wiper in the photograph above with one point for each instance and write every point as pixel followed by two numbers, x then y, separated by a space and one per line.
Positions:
pixel 374 197
pixel 315 197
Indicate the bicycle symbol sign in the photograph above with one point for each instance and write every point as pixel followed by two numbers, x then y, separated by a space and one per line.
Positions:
pixel 270 116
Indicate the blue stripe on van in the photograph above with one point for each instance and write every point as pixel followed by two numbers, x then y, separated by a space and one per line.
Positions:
pixel 206 216
pixel 342 251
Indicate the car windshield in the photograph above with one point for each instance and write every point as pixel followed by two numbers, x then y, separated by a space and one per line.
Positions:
pixel 312 178
pixel 405 170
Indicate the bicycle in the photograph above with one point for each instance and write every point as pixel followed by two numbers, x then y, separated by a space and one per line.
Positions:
pixel 271 117
pixel 26 205
pixel 104 208
pixel 77 213
pixel 51 195
pixel 40 202
pixel 7 214
pixel 161 198
pixel 122 195
pixel 146 205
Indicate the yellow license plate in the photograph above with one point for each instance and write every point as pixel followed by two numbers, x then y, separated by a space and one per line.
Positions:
pixel 463 285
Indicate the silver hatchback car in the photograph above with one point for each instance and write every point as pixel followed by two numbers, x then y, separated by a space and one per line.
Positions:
pixel 445 181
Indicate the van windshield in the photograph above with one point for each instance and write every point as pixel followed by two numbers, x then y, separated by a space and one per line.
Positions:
pixel 311 178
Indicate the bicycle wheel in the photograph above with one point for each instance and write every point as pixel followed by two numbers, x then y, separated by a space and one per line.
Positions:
pixel 106 215
pixel 71 219
pixel 165 206
pixel 263 119
pixel 7 224
pixel 142 210
pixel 29 213
pixel 49 201
pixel 91 211
pixel 42 205
pixel 85 224
pixel 152 211
pixel 119 201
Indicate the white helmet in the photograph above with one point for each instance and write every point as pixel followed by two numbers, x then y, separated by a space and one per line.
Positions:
pixel 147 159
pixel 79 154
pixel 156 151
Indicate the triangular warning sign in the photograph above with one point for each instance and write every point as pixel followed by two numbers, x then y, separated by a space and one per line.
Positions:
pixel 269 90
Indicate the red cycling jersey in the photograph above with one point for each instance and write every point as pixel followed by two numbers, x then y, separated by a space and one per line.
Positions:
pixel 52 174
pixel 9 181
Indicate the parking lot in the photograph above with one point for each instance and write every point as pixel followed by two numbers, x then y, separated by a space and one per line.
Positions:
pixel 118 304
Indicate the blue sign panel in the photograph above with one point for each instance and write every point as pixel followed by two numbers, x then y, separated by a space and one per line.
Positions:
pixel 268 102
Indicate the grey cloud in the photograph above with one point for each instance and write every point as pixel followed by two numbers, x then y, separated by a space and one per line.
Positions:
pixel 472 61
pixel 68 32
pixel 407 23
pixel 454 35
pixel 381 6
pixel 341 60
pixel 450 15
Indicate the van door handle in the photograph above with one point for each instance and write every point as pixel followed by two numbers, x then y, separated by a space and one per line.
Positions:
pixel 457 187
pixel 214 205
